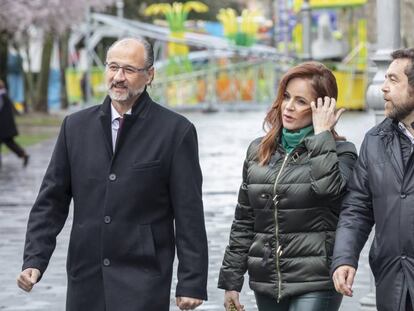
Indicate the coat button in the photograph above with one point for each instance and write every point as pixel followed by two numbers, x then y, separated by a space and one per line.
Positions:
pixel 106 262
pixel 112 177
pixel 263 196
pixel 107 219
pixel 403 195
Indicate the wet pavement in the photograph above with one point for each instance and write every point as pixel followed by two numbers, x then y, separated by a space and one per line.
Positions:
pixel 223 140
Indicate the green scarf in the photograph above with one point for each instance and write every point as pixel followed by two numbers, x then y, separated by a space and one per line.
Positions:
pixel 290 139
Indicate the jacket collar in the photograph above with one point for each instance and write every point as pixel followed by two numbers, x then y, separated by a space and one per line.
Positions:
pixel 386 127
pixel 388 130
pixel 140 110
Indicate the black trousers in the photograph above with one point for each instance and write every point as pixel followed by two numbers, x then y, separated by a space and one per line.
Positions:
pixel 13 146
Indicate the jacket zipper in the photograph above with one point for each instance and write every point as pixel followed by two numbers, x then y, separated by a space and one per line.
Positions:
pixel 278 246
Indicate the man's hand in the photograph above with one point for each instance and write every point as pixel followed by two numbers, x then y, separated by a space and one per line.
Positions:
pixel 343 278
pixel 28 278
pixel 231 297
pixel 187 303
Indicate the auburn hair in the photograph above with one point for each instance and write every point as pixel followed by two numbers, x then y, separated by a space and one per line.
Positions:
pixel 323 83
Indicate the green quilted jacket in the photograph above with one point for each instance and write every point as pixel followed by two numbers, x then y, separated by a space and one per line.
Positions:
pixel 284 225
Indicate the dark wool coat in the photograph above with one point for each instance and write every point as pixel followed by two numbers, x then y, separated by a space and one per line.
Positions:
pixel 7 125
pixel 126 204
pixel 285 220
pixel 381 192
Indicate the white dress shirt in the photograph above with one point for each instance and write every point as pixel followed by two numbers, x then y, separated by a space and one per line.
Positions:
pixel 115 124
pixel 407 133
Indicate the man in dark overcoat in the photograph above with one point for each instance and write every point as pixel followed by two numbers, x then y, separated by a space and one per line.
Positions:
pixel 8 129
pixel 132 169
pixel 381 192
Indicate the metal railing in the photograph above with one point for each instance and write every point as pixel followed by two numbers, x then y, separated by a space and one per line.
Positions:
pixel 241 85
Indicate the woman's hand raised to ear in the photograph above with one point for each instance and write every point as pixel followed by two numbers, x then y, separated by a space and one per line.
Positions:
pixel 324 114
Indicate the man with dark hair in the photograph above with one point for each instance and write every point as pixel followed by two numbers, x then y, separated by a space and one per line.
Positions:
pixel 381 192
pixel 131 167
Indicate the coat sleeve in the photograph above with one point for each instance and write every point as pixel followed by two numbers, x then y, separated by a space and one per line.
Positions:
pixel 330 166
pixel 186 197
pixel 234 264
pixel 50 210
pixel 356 218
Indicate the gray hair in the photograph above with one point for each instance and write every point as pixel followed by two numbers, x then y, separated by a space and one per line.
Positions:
pixel 149 51
pixel 409 70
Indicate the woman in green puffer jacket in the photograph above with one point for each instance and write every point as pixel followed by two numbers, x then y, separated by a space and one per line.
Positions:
pixel 293 181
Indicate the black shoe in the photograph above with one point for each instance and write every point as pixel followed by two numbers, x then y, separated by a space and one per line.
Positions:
pixel 25 160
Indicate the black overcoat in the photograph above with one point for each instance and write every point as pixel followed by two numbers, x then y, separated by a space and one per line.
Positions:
pixel 7 125
pixel 126 204
pixel 381 192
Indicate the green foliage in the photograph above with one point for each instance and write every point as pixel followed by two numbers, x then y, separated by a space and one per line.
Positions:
pixel 244 39
pixel 177 65
pixel 32 139
pixel 134 9
pixel 38 120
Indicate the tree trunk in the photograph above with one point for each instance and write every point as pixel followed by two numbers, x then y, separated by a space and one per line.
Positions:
pixel 3 55
pixel 43 79
pixel 29 94
pixel 63 61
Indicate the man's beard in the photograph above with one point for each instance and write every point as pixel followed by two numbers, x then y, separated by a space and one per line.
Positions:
pixel 400 112
pixel 123 96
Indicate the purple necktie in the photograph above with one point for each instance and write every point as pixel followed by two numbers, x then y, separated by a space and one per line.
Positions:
pixel 121 123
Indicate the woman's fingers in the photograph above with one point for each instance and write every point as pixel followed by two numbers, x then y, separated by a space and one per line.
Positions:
pixel 313 106
pixel 326 102
pixel 332 104
pixel 319 102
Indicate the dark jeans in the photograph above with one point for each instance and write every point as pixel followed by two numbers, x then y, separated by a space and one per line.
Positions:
pixel 313 301
pixel 13 146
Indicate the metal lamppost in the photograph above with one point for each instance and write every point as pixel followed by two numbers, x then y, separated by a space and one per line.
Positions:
pixel 306 14
pixel 120 9
pixel 389 38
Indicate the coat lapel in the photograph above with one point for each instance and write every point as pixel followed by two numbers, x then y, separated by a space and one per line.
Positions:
pixel 393 151
pixel 105 119
pixel 139 112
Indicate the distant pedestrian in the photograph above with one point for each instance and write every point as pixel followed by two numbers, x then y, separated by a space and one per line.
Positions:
pixel 381 193
pixel 294 179
pixel 8 129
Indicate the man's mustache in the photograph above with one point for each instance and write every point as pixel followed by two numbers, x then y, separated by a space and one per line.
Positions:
pixel 118 84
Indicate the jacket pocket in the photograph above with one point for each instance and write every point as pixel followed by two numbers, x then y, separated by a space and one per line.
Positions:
pixel 146 165
pixel 267 253
pixel 146 250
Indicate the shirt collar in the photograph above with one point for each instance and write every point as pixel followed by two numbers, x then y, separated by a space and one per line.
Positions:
pixel 115 114
pixel 406 132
